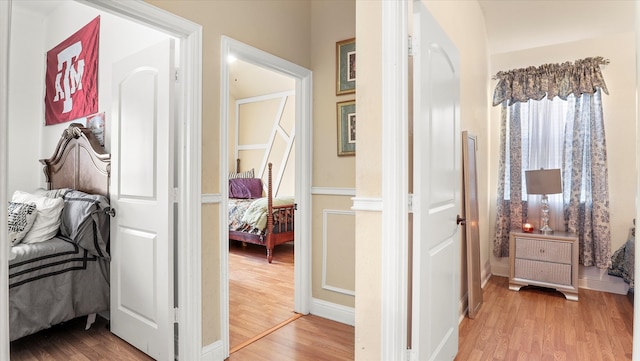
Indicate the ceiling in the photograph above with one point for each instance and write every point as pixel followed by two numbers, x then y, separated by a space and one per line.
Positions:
pixel 547 22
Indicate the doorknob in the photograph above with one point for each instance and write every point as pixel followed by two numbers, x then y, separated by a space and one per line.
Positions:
pixel 110 211
pixel 460 220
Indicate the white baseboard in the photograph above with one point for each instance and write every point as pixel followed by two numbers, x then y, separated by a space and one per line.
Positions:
pixel 333 311
pixel 593 278
pixel 485 273
pixel 463 307
pixel 212 352
pixel 500 269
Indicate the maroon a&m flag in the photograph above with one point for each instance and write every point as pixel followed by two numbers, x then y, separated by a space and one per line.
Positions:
pixel 72 76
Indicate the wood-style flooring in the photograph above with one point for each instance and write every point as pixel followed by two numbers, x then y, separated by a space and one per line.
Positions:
pixel 530 325
pixel 538 324
pixel 261 296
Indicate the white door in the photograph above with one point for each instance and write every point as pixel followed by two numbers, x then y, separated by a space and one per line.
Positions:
pixel 436 167
pixel 141 185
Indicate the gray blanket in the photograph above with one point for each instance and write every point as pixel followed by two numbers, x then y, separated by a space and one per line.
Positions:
pixel 52 282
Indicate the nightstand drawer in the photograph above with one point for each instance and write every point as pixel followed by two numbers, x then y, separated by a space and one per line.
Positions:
pixel 543 271
pixel 550 251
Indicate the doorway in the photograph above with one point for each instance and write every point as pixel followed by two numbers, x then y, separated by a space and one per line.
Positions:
pixel 189 145
pixel 262 138
pixel 302 164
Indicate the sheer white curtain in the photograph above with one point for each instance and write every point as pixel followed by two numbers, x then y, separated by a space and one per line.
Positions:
pixel 543 125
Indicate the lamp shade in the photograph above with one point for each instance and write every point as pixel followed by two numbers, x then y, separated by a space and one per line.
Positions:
pixel 543 181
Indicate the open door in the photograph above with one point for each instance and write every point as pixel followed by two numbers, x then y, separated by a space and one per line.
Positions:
pixel 142 311
pixel 436 172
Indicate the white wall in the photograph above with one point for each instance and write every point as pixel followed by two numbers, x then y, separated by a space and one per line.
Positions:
pixel 118 38
pixel 26 102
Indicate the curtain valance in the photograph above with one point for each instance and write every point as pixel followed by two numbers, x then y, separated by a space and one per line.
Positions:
pixel 550 80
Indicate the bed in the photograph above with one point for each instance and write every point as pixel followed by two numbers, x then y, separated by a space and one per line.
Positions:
pixel 63 273
pixel 266 221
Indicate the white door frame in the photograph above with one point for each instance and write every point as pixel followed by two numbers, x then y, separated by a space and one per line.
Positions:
pixel 189 167
pixel 395 180
pixel 5 26
pixel 303 147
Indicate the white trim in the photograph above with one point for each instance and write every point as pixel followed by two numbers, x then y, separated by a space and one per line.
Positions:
pixel 303 166
pixel 212 352
pixel 367 204
pixel 463 306
pixel 333 191
pixel 190 152
pixel 395 174
pixel 325 225
pixel 333 311
pixel 593 278
pixel 211 198
pixel 5 29
pixel 259 98
pixel 636 300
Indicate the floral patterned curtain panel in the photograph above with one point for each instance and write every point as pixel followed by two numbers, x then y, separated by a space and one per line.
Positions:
pixel 584 166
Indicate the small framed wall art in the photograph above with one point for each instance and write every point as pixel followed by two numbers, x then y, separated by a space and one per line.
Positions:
pixel 347 128
pixel 346 66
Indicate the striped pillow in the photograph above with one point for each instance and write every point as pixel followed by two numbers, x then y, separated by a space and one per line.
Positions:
pixel 246 174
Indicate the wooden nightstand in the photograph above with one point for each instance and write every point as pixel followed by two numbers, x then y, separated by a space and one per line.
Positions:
pixel 544 260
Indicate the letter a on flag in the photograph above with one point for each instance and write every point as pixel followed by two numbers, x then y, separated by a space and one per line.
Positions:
pixel 71 80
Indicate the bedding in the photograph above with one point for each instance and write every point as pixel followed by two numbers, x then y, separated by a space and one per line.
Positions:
pixel 47 220
pixel 623 259
pixel 245 188
pixel 54 281
pixel 250 215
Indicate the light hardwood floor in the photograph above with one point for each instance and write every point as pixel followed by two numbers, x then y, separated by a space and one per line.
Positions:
pixel 537 324
pixel 529 325
pixel 260 294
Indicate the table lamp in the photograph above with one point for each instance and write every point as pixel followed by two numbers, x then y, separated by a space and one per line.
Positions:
pixel 544 182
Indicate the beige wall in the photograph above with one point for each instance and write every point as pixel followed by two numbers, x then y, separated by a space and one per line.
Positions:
pixel 305 33
pixel 619 116
pixel 256 120
pixel 280 27
pixel 332 231
pixel 368 180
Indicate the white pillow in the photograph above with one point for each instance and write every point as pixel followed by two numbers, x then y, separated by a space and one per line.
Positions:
pixel 47 221
pixel 21 217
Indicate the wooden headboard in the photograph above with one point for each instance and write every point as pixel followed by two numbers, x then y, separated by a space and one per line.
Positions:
pixel 79 162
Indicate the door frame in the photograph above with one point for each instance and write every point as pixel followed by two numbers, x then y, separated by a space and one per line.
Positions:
pixel 189 167
pixel 303 165
pixel 395 180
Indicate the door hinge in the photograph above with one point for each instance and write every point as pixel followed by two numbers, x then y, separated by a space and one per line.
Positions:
pixel 176 314
pixel 410 203
pixel 175 195
pixel 176 76
pixel 410 43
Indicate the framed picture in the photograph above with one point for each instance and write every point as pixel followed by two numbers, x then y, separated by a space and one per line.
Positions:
pixel 347 128
pixel 346 66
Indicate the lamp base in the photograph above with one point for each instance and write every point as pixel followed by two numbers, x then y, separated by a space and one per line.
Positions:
pixel 545 230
